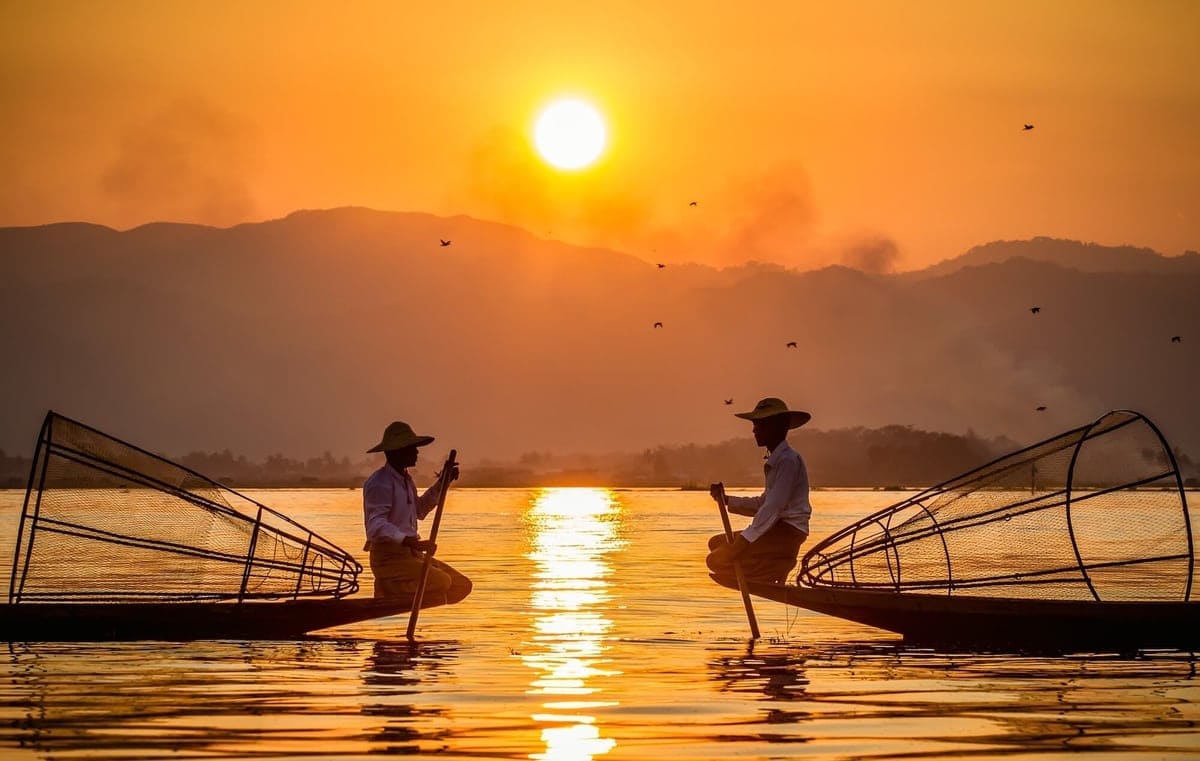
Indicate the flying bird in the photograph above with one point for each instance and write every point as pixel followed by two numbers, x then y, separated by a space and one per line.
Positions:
pixel 791 344
pixel 729 401
pixel 661 266
pixel 693 203
pixel 1027 127
pixel 658 325
pixel 1035 310
pixel 444 242
pixel 1041 409
pixel 1176 339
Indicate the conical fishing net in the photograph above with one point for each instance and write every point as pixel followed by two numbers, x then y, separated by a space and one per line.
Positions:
pixel 104 520
pixel 1096 513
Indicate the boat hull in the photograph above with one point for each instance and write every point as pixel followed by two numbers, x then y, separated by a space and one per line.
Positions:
pixel 988 623
pixel 251 619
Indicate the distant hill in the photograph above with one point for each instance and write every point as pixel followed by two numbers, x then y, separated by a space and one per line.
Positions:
pixel 1072 254
pixel 307 334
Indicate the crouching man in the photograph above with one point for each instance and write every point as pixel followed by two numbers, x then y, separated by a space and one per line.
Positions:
pixel 767 548
pixel 391 509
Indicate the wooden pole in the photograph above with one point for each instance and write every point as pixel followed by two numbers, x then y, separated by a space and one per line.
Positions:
pixel 419 597
pixel 737 567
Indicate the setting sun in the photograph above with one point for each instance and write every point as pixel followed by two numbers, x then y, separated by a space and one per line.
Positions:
pixel 569 134
pixel 503 379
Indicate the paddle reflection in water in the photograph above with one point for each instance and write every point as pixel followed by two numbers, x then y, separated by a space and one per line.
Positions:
pixel 396 675
pixel 779 676
pixel 572 531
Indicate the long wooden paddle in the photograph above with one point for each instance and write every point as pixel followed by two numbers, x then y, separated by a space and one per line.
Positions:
pixel 419 597
pixel 737 566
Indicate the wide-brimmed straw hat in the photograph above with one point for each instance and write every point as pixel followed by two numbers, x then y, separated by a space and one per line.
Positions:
pixel 770 407
pixel 399 435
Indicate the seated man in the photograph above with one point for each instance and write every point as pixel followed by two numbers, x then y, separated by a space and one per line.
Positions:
pixel 768 547
pixel 391 509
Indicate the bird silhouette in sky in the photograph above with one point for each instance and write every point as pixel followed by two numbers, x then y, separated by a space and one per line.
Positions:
pixel 444 242
pixel 661 266
pixel 693 203
pixel 1027 127
pixel 1035 310
pixel 729 401
pixel 1041 408
pixel 1176 339
pixel 658 325
pixel 791 344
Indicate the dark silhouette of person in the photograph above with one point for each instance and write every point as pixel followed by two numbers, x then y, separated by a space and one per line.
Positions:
pixel 391 509
pixel 768 547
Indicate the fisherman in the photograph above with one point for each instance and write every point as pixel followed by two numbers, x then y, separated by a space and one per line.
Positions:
pixel 391 509
pixel 767 548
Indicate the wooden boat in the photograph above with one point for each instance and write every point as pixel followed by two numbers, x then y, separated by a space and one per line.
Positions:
pixel 1079 541
pixel 249 619
pixel 981 623
pixel 117 543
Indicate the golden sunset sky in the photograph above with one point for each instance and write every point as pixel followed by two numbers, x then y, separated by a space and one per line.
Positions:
pixel 808 133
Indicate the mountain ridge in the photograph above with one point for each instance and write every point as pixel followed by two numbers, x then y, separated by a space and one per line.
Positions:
pixel 1076 254
pixel 1084 256
pixel 308 333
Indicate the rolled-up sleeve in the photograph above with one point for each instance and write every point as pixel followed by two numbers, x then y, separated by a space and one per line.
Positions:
pixel 377 502
pixel 775 499
pixel 744 505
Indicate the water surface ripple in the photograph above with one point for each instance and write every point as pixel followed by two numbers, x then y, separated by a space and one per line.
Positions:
pixel 592 633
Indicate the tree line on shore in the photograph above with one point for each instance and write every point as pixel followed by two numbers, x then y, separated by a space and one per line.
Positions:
pixel 890 456
pixel 895 456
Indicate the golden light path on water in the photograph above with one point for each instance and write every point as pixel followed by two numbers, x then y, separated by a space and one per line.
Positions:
pixel 572 532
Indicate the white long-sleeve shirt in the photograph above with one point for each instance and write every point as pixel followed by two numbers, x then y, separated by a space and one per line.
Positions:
pixel 785 497
pixel 391 506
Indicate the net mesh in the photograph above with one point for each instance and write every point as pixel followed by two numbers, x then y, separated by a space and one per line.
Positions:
pixel 1096 513
pixel 107 521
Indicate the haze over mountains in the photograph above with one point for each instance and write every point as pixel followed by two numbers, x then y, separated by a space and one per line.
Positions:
pixel 310 333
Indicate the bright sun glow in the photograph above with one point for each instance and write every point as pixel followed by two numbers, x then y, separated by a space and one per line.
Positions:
pixel 569 134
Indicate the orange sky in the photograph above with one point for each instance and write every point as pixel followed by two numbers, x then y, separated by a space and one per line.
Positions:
pixel 887 134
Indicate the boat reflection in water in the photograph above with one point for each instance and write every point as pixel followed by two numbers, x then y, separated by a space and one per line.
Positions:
pixel 572 532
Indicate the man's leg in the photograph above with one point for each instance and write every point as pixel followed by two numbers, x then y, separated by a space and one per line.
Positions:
pixel 397 570
pixel 720 559
pixel 773 556
pixel 452 585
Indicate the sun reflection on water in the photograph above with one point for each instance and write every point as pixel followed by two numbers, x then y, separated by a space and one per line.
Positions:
pixel 572 531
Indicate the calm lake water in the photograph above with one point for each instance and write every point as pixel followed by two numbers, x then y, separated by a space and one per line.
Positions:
pixel 593 632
